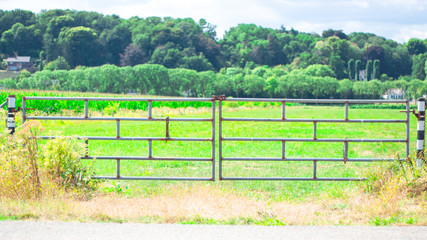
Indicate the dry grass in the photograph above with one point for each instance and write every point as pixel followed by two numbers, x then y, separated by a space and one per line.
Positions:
pixel 206 203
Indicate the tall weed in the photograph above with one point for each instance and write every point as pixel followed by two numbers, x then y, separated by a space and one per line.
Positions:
pixel 402 175
pixel 393 183
pixel 30 169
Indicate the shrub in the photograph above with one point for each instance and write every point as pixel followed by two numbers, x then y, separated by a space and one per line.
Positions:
pixel 61 160
pixel 31 169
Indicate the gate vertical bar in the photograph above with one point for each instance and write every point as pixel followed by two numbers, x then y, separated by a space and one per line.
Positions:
pixel 86 147
pixel 283 149
pixel 314 169
pixel 345 152
pixel 407 128
pixel 118 167
pixel 421 131
pixel 283 111
pixel 220 139
pixel 117 128
pixel 118 136
pixel 24 108
pixel 314 130
pixel 213 140
pixel 346 111
pixel 86 108
pixel 150 148
pixel 150 109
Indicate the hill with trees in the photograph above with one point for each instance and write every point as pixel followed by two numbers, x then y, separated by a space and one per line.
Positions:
pixel 249 60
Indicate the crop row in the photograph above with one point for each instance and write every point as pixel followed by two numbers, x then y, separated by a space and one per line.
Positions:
pixel 78 106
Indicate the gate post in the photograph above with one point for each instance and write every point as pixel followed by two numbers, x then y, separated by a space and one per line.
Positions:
pixel 421 131
pixel 11 105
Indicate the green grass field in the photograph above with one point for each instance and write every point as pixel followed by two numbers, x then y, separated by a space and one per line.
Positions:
pixel 277 190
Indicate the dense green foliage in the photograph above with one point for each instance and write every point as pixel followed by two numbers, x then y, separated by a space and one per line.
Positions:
pixel 92 39
pixel 315 81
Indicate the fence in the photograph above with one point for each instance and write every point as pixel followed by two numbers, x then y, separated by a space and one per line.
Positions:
pixel 118 137
pixel 283 119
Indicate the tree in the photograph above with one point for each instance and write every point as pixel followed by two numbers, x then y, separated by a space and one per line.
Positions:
pixel 21 40
pixel 275 52
pixel 357 66
pixel 157 78
pixel 10 18
pixel 345 88
pixel 253 85
pixel 351 69
pixel 374 52
pixel 337 65
pixel 205 83
pixel 376 69
pixel 51 35
pixel 270 86
pixel 369 70
pixel 59 64
pixel 283 88
pixel 415 88
pixel 132 56
pixel 198 63
pixel 80 46
pixel 328 33
pixel 116 40
pixel 185 80
pixel 418 66
pixel 318 70
pixel 416 46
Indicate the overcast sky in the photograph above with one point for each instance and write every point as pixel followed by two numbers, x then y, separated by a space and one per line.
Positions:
pixel 399 20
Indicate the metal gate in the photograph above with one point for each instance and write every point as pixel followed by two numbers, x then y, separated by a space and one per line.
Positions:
pixel 222 120
pixel 344 141
pixel 150 155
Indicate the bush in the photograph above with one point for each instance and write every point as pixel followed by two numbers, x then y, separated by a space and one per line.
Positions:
pixel 59 64
pixel 30 169
pixel 401 175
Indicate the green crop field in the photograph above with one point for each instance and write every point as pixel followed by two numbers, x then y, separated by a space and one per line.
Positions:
pixel 277 190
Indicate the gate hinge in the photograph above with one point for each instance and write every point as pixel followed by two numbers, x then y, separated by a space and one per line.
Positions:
pixel 218 97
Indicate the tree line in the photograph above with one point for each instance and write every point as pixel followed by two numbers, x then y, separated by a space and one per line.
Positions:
pixel 66 39
pixel 314 81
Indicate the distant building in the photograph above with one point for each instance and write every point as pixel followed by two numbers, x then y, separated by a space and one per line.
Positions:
pixel 394 93
pixel 362 75
pixel 20 63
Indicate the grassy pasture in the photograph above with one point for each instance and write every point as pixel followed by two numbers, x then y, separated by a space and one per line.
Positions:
pixel 235 202
pixel 277 190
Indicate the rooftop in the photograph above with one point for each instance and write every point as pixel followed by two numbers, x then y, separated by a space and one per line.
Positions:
pixel 19 59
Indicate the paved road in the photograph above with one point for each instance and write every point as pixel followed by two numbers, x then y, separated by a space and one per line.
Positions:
pixel 11 230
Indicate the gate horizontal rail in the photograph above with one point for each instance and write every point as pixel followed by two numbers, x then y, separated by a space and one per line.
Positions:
pixel 283 119
pixel 118 137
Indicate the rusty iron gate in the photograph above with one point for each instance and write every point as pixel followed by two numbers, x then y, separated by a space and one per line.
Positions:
pixel 150 155
pixel 344 141
pixel 222 120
